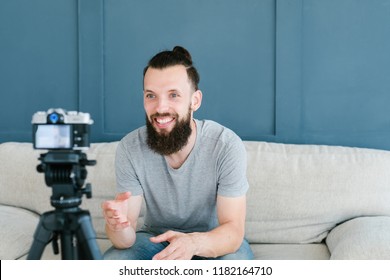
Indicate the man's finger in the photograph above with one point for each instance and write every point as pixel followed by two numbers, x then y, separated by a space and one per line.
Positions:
pixel 167 254
pixel 166 236
pixel 123 196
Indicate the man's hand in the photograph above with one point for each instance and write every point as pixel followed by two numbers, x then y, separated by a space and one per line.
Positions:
pixel 181 246
pixel 115 212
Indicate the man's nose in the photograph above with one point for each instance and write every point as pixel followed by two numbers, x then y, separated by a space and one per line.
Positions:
pixel 162 105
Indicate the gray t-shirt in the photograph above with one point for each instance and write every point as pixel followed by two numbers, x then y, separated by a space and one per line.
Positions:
pixel 183 199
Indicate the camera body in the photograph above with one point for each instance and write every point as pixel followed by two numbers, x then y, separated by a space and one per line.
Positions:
pixel 58 129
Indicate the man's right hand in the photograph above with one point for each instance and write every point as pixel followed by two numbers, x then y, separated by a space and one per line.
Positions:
pixel 115 212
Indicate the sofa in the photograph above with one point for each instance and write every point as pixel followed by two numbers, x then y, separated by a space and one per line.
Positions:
pixel 305 202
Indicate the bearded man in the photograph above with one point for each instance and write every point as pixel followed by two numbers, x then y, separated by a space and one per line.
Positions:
pixel 191 174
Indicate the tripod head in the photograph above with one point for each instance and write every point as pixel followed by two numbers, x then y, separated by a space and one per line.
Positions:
pixel 65 171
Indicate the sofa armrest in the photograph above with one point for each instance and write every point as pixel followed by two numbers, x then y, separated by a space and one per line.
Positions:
pixel 361 238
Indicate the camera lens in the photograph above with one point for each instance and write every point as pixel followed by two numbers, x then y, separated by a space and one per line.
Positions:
pixel 53 118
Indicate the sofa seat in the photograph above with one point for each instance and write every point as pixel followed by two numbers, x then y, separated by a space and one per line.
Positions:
pixel 315 251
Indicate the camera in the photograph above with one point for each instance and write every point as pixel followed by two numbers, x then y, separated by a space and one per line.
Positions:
pixel 58 129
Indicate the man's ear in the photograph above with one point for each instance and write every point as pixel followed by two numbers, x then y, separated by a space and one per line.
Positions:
pixel 196 100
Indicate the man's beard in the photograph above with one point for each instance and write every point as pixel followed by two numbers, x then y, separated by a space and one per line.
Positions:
pixel 167 143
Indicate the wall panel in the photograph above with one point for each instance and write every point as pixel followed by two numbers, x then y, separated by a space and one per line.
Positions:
pixel 346 89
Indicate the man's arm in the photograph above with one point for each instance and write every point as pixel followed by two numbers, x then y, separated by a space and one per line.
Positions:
pixel 224 239
pixel 121 217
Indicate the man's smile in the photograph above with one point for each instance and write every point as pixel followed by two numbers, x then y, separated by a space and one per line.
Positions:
pixel 164 122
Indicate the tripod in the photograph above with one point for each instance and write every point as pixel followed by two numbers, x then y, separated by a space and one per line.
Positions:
pixel 65 172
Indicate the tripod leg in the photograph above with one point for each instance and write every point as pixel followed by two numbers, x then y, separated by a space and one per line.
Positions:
pixel 86 237
pixel 68 249
pixel 41 239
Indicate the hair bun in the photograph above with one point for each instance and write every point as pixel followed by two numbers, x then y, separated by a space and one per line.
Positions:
pixel 182 51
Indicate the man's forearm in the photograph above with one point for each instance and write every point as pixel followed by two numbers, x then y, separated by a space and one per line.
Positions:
pixel 222 240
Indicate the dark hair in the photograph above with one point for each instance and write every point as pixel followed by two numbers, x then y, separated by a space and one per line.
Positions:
pixel 178 56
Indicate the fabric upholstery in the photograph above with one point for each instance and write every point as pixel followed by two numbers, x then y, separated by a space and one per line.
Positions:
pixel 361 238
pixel 298 193
pixel 17 226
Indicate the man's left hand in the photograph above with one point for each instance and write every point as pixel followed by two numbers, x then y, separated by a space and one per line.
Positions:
pixel 181 246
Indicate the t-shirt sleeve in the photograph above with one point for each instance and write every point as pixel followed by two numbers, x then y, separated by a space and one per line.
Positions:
pixel 126 177
pixel 232 180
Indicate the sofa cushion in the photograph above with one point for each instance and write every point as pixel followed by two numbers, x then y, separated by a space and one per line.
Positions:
pixel 17 230
pixel 290 251
pixel 361 238
pixel 298 193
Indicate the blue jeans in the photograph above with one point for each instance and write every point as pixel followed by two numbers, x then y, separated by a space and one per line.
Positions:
pixel 144 249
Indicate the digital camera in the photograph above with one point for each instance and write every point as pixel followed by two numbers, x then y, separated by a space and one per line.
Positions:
pixel 58 129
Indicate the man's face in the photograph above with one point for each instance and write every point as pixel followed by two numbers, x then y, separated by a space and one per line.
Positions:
pixel 167 97
pixel 169 102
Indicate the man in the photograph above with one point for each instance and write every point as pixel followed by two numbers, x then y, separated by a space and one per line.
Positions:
pixel 190 173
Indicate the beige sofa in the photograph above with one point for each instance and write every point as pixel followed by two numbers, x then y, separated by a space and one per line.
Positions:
pixel 304 202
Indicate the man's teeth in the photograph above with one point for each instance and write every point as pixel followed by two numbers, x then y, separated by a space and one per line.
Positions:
pixel 164 121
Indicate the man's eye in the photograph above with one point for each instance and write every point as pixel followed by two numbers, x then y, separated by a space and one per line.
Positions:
pixel 174 95
pixel 150 96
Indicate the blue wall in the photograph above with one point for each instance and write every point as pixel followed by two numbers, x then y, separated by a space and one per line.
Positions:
pixel 290 71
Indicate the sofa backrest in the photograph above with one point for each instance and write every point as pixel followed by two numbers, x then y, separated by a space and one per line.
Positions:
pixel 299 192
pixel 20 183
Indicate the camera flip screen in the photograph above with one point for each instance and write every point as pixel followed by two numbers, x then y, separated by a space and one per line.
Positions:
pixel 49 136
